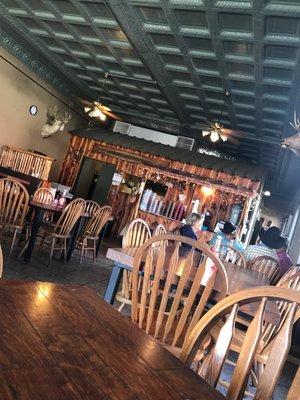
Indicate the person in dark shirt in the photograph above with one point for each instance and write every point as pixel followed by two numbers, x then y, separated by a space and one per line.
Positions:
pixel 192 225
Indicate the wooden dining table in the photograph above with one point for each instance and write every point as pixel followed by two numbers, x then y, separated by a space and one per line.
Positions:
pixel 63 342
pixel 39 210
pixel 238 279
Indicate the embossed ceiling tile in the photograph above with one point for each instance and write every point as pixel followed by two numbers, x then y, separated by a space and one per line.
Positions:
pixel 235 24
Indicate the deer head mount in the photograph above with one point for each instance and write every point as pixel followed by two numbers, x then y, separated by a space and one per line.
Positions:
pixel 293 142
pixel 55 122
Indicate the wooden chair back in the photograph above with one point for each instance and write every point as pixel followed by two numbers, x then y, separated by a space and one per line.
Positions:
pixel 14 201
pixel 171 299
pixel 291 271
pixel 160 230
pixel 229 253
pixel 294 392
pixel 91 207
pixel 137 233
pixel 69 217
pixel 267 265
pixel 96 223
pixel 213 363
pixel 43 195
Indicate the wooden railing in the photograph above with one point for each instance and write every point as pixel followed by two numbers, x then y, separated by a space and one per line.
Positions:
pixel 26 162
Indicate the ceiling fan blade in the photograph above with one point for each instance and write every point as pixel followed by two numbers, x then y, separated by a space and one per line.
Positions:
pixel 85 102
pixel 111 115
pixel 233 140
pixel 232 132
pixel 104 108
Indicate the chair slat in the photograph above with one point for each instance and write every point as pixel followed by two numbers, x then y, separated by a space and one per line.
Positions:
pixel 242 370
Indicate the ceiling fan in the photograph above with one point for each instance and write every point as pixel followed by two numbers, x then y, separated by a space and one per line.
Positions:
pixel 96 109
pixel 216 130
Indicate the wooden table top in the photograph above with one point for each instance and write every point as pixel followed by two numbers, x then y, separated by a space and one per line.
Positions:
pixel 64 342
pixel 238 279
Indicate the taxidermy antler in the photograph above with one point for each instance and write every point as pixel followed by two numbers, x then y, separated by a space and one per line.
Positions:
pixel 293 142
pixel 55 122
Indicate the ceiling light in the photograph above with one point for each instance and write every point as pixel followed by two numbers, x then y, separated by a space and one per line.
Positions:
pixel 223 137
pixel 214 136
pixel 87 109
pixel 267 193
pixel 102 116
pixel 207 191
pixel 205 133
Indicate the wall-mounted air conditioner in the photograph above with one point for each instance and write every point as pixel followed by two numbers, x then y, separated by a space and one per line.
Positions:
pixel 122 127
pixel 185 143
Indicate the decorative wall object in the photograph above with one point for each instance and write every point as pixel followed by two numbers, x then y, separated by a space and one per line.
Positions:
pixel 55 122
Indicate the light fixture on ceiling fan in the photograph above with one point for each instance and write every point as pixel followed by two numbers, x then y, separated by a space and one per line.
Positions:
pixel 216 131
pixel 97 110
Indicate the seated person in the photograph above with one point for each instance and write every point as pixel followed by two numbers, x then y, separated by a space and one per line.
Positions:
pixel 192 225
pixel 228 234
pixel 270 241
pixel 285 262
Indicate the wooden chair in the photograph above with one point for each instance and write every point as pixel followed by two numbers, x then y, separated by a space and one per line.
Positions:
pixel 267 265
pixel 91 207
pixel 294 392
pixel 160 230
pixel 61 231
pixel 43 195
pixel 237 256
pixel 90 234
pixel 216 353
pixel 14 202
pixel 175 288
pixel 136 234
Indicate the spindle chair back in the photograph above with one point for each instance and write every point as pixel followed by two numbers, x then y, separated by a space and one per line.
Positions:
pixel 216 353
pixel 237 257
pixel 91 207
pixel 69 217
pixel 43 195
pixel 266 265
pixel 136 234
pixel 175 288
pixel 291 271
pixel 90 233
pixel 61 231
pixel 160 230
pixel 14 203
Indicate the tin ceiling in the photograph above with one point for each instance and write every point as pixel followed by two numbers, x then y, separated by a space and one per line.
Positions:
pixel 170 62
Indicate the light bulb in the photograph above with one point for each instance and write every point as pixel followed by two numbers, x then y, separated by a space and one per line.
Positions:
pixel 87 109
pixel 207 191
pixel 214 136
pixel 102 116
pixel 205 133
pixel 223 137
pixel 267 193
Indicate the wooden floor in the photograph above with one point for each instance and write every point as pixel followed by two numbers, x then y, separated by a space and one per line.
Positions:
pixel 92 275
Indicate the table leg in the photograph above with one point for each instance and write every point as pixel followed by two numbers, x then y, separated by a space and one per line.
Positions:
pixel 101 237
pixel 113 284
pixel 37 220
pixel 73 238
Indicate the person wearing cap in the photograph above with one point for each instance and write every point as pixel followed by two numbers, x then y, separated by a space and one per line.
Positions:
pixel 285 261
pixel 228 234
pixel 270 241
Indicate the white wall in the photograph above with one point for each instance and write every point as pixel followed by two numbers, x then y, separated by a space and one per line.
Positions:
pixel 20 129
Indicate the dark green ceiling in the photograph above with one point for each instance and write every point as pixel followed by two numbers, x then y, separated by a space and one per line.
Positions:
pixel 170 62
